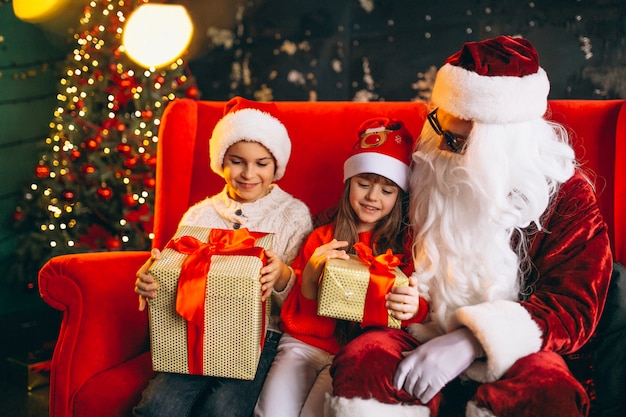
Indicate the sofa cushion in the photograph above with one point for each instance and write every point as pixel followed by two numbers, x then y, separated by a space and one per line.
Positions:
pixel 113 393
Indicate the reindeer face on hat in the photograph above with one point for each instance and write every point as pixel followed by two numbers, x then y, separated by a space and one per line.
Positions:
pixel 383 147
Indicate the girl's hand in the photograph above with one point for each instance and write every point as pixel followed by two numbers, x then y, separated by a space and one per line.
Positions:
pixel 145 285
pixel 403 301
pixel 315 266
pixel 274 275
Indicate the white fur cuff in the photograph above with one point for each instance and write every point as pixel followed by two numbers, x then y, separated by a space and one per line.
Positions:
pixel 506 332
pixel 359 407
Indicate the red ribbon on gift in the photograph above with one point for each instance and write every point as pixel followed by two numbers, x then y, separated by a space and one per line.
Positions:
pixel 192 281
pixel 382 279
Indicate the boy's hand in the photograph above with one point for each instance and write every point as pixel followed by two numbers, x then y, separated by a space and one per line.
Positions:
pixel 274 275
pixel 145 285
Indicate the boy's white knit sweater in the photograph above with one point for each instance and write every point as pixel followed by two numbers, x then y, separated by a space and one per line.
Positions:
pixel 278 212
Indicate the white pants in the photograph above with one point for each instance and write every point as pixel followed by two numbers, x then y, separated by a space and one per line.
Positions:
pixel 297 382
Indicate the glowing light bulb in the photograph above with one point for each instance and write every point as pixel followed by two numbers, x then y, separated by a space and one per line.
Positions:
pixel 155 35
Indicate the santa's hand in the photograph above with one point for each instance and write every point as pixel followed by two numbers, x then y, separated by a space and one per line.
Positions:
pixel 427 369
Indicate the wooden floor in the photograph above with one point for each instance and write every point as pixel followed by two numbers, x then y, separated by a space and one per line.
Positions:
pixel 28 331
pixel 17 401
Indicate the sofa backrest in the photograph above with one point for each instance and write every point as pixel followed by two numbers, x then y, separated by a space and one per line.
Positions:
pixel 323 132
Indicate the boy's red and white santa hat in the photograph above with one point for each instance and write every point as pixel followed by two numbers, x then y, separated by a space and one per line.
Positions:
pixel 495 81
pixel 383 147
pixel 250 121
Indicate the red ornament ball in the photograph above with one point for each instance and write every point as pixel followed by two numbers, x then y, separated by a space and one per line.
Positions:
pixel 130 163
pixel 88 169
pixel 128 200
pixel 113 243
pixel 91 144
pixel 192 92
pixel 68 195
pixel 124 149
pixel 149 182
pixel 42 171
pixel 149 159
pixel 74 154
pixel 105 193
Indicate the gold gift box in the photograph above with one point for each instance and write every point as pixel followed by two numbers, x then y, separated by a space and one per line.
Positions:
pixel 234 317
pixel 343 289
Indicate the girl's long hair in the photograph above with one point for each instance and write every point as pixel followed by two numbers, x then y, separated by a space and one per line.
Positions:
pixel 391 232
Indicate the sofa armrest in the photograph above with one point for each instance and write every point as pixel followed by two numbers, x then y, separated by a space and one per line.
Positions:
pixel 101 325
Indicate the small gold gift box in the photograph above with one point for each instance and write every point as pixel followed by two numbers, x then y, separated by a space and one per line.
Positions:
pixel 235 319
pixel 343 290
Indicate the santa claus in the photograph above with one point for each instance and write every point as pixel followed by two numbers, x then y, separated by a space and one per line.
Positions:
pixel 510 251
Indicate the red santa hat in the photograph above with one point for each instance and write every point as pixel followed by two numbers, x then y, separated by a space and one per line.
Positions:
pixel 383 147
pixel 253 122
pixel 495 81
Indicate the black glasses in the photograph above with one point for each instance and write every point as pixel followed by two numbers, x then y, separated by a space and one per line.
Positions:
pixel 454 142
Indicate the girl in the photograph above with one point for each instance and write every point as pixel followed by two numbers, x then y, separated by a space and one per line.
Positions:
pixel 372 210
pixel 250 149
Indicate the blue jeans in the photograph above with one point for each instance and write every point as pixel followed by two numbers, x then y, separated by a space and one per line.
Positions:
pixel 181 395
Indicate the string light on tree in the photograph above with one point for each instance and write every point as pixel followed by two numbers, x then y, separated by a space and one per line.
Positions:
pixel 93 188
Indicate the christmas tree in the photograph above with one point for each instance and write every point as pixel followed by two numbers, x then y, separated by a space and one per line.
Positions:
pixel 93 187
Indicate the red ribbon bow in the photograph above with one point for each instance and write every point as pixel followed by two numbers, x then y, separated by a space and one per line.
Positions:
pixel 382 279
pixel 191 293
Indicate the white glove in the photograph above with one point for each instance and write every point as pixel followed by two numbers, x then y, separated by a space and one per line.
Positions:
pixel 427 369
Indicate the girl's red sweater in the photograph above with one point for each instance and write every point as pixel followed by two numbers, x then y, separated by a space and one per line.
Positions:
pixel 299 314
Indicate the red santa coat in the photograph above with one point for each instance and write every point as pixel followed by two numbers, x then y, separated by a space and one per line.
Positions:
pixel 522 340
pixel 572 264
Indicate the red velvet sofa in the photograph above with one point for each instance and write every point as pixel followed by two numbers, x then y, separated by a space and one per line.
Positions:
pixel 101 362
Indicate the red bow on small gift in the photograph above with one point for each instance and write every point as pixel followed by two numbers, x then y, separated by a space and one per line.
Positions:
pixel 192 282
pixel 382 279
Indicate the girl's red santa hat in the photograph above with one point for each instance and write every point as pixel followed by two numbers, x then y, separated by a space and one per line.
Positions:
pixel 384 147
pixel 250 121
pixel 494 81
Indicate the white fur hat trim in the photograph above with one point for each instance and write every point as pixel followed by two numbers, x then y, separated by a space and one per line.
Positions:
pixel 250 125
pixel 491 99
pixel 377 163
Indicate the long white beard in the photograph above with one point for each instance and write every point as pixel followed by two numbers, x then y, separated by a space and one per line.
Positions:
pixel 467 207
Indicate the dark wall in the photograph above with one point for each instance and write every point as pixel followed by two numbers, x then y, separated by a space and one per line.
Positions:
pixel 29 74
pixel 390 49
